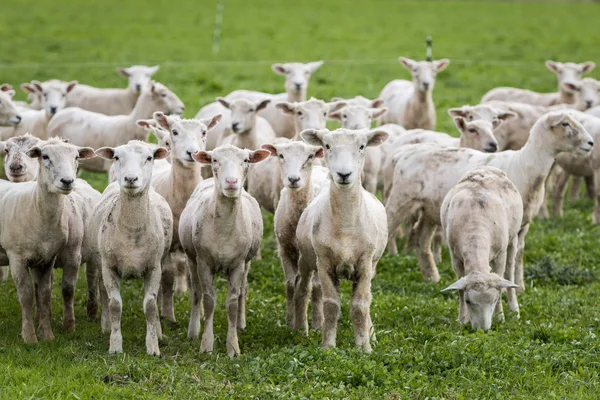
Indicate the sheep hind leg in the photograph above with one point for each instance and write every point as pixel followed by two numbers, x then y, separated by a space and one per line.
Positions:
pixel 4 273
pixel 589 186
pixel 303 286
pixel 43 281
pixel 152 284
pixel 182 273
pixel 519 275
pixel 69 281
pixel 331 305
pixel 425 234
pixel 23 282
pixel 499 267
pixel 361 304
pixel 509 274
pixel 558 193
pixel 236 281
pixel 575 188
pixel 317 303
pixel 241 318
pixel 166 287
pixel 438 241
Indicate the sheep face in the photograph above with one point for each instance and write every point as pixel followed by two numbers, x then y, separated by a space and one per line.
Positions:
pixel 587 92
pixel 230 167
pixel 478 134
pixel 58 164
pixel 133 164
pixel 138 75
pixel 296 75
pixel 311 114
pixel 357 117
pixel 243 113
pixel 165 99
pixel 9 115
pixel 424 72
pixel 569 72
pixel 565 133
pixel 54 94
pixel 19 167
pixel 344 151
pixel 482 112
pixel 295 162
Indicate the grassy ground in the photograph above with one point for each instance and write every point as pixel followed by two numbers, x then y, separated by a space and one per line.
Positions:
pixel 422 352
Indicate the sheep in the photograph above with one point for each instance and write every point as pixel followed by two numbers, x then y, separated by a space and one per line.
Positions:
pixel 52 235
pixel 341 234
pixel 186 137
pixel 297 76
pixel 360 101
pixel 130 232
pixel 424 174
pixel 311 114
pixel 410 104
pixel 36 122
pixel 220 230
pixel 113 101
pixel 565 73
pixel 19 167
pixel 35 100
pixel 95 130
pixel 9 114
pixel 481 217
pixel 300 181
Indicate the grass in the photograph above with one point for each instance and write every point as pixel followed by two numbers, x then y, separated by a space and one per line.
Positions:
pixel 551 353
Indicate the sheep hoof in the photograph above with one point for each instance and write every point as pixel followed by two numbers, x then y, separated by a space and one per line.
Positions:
pixel 68 326
pixel 46 336
pixel 30 338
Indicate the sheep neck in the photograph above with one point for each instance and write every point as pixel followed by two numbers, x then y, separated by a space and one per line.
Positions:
pixel 131 210
pixel 346 204
pixel 227 210
pixel 419 107
pixel 296 96
pixel 144 107
pixel 247 140
pixel 132 97
pixel 301 197
pixel 566 97
pixel 49 205
pixel 185 178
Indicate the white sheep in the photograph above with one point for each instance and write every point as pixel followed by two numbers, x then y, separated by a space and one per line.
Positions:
pixel 410 104
pixel 565 73
pixel 425 173
pixel 95 130
pixel 35 100
pixel 297 76
pixel 18 166
pixel 40 227
pixel 301 182
pixel 310 114
pixel 481 217
pixel 130 231
pixel 9 114
pixel 341 234
pixel 220 230
pixel 111 101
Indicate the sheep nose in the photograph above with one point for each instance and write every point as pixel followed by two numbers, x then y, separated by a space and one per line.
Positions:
pixel 231 181
pixel 130 179
pixel 293 179
pixel 67 181
pixel 425 85
pixel 53 110
pixel 588 104
pixel 15 169
pixel 492 147
pixel 591 143
pixel 298 86
pixel 344 176
pixel 138 87
pixel 18 118
pixel 235 126
pixel 486 330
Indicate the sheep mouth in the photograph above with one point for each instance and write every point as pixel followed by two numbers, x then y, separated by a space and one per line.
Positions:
pixel 585 150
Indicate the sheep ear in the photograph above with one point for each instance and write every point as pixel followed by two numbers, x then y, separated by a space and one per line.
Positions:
pixel 223 102
pixel 258 156
pixel 160 153
pixel 27 88
pixel 441 65
pixel 507 116
pixel 458 285
pixel 148 124
pixel 286 107
pixel 263 104
pixel 506 284
pixel 152 86
pixel 153 70
pixel 408 63
pixel 378 112
pixel 313 136
pixel 2 147
pixel 123 72
pixel 212 121
pixel 108 153
pixel 203 157
pixel 270 148
pixel 279 69
pixel 376 103
pixel 457 112
pixel 460 123
pixel 336 116
pixel 5 87
pixel 38 86
pixel 313 66
pixel 319 153
pixel 588 66
pixel 335 106
pixel 162 120
pixel 555 118
pixel 376 137
pixel 34 152
pixel 571 87
pixel 496 123
pixel 10 93
pixel 334 99
pixel 85 153
pixel 71 85
pixel 552 66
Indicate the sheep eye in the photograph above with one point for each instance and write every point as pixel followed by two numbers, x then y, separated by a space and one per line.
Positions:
pixel 362 147
pixel 6 150
pixel 324 114
pixel 246 160
pixel 149 158
pixel 175 133
pixel 76 158
pixel 45 157
pixel 565 124
pixel 251 110
pixel 299 113
pixel 472 130
pixel 116 158
pixel 311 156
pixel 163 95
pixel 344 116
pixel 468 301
pixel 327 147
pixel 281 156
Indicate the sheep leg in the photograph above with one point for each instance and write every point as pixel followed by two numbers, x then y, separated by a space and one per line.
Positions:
pixel 459 269
pixel 589 186
pixel 196 300
pixel 438 241
pixel 289 265
pixel 24 285
pixel 115 305
pixel 395 218
pixel 4 273
pixel 152 282
pixel 316 303
pixel 303 282
pixel 361 303
pixel 236 280
pixel 42 278
pixel 92 274
pixel 181 275
pixel 509 274
pixel 499 267
pixel 426 262
pixel 596 212
pixel 558 193
pixel 241 322
pixel 331 303
pixel 70 272
pixel 166 287
pixel 519 280
pixel 208 300
pixel 575 188
pixel 105 316
pixel 550 179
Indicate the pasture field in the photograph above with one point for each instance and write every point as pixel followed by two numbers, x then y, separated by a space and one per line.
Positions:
pixel 552 352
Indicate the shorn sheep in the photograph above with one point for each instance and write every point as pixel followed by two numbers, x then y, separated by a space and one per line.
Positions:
pixel 341 234
pixel 130 231
pixel 109 101
pixel 87 128
pixel 424 174
pixel 410 104
pixel 481 217
pixel 40 228
pixel 310 114
pixel 9 114
pixel 566 73
pixel 220 230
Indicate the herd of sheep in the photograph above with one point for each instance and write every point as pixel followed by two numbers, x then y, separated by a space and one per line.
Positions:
pixel 166 220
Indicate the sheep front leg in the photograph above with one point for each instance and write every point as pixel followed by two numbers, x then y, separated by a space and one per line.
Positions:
pixel 596 212
pixel 361 304
pixel 425 234
pixel 42 276
pixel 112 284
pixel 519 279
pixel 499 267
pixel 589 187
pixel 208 299
pixel 438 242
pixel 511 293
pixel 459 269
pixel 4 273
pixel 24 286
pixel 316 303
pixel 235 282
pixel 196 299
pixel 303 282
pixel 331 303
pixel 289 265
pixel 166 287
pixel 241 320
pixel 575 188
pixel 558 193
pixel 152 283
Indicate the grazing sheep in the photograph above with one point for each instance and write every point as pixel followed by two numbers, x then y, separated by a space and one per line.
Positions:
pixel 424 174
pixel 95 130
pixel 341 234
pixel 481 217
pixel 9 114
pixel 565 73
pixel 41 227
pixel 220 230
pixel 410 104
pixel 297 76
pixel 301 182
pixel 176 184
pixel 113 101
pixel 311 114
pixel 130 233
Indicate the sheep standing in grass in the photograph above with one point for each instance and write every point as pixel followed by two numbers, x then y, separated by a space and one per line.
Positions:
pixel 410 104
pixel 9 114
pixel 301 182
pixel 220 230
pixel 481 217
pixel 95 130
pixel 566 73
pixel 109 101
pixel 131 230
pixel 341 234
pixel 176 184
pixel 424 174
pixel 40 227
pixel 297 76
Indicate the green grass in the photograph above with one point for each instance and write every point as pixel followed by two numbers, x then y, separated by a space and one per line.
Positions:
pixel 551 353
